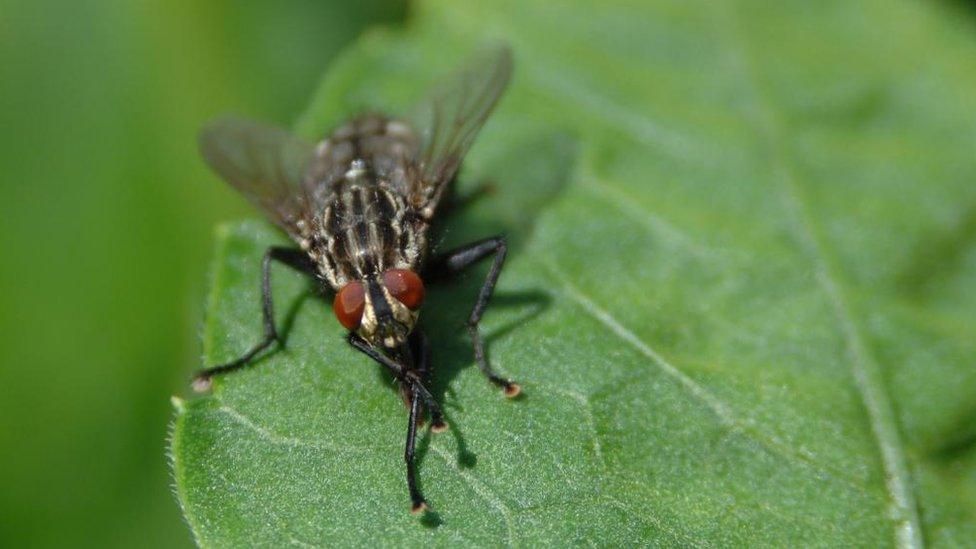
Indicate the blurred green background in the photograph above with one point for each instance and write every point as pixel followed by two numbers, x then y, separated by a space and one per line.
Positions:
pixel 106 227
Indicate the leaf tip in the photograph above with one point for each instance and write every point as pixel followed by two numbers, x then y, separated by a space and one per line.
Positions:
pixel 178 403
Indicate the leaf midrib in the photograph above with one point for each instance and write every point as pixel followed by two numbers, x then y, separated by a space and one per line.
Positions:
pixel 865 369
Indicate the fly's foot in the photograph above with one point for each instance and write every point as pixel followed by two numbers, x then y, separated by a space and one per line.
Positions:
pixel 439 426
pixel 512 389
pixel 418 507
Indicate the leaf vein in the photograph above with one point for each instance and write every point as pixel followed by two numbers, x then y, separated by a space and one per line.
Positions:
pixel 640 128
pixel 590 419
pixel 865 368
pixel 274 437
pixel 720 409
pixel 654 223
pixel 483 491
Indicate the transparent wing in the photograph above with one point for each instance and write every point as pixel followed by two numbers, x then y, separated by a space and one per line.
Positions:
pixel 449 119
pixel 266 164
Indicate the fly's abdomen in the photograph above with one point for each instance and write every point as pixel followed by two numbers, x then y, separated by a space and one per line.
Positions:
pixel 372 148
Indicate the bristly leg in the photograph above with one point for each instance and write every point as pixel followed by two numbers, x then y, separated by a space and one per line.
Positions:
pixel 417 502
pixel 459 259
pixel 421 352
pixel 412 378
pixel 295 259
pixel 415 354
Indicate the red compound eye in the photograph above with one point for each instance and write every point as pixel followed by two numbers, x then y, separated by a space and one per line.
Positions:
pixel 406 286
pixel 349 304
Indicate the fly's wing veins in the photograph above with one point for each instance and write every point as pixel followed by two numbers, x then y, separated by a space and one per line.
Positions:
pixel 449 119
pixel 266 164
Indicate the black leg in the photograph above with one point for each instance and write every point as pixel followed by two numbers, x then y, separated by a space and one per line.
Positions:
pixel 417 503
pixel 295 259
pixel 407 376
pixel 459 259
pixel 421 350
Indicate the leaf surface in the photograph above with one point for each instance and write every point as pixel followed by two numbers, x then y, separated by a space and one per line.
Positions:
pixel 739 297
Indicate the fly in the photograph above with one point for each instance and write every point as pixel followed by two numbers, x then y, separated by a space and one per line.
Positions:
pixel 359 205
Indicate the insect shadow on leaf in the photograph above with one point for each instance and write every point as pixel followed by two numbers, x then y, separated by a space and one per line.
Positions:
pixel 525 175
pixel 934 258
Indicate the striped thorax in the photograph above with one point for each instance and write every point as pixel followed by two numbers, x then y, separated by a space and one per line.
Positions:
pixel 367 228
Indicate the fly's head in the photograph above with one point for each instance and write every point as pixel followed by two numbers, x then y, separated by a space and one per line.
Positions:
pixel 382 309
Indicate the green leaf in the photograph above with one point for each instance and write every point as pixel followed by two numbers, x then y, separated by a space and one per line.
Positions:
pixel 739 298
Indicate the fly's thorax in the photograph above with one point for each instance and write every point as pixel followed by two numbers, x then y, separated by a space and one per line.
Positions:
pixel 366 228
